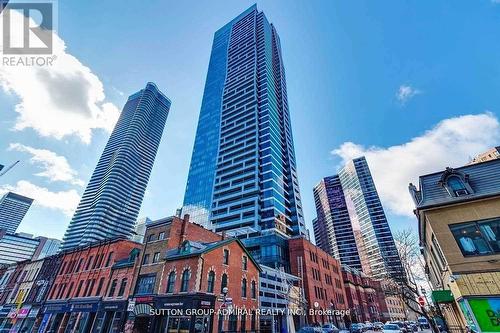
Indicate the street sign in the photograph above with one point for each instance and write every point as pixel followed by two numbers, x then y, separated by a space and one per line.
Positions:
pixel 220 299
pixel 229 300
pixel 421 300
pixel 131 305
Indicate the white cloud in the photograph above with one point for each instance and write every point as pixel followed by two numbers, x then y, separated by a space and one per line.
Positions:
pixel 59 100
pixel 452 142
pixel 405 93
pixel 55 167
pixel 64 201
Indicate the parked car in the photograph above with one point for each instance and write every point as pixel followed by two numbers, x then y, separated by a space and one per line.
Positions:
pixel 368 325
pixel 356 328
pixel 310 329
pixel 377 326
pixel 330 328
pixel 423 322
pixel 401 326
pixel 391 328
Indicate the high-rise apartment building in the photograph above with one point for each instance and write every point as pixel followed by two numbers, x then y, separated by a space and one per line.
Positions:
pixel 333 230
pixel 22 246
pixel 13 208
pixel 351 224
pixel 243 177
pixel 377 249
pixel 490 154
pixel 113 197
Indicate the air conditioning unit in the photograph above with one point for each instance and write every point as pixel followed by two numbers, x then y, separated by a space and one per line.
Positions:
pixel 461 192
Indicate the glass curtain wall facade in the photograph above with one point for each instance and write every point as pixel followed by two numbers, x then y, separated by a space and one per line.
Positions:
pixel 243 177
pixel 378 253
pixel 13 208
pixel 113 197
pixel 333 229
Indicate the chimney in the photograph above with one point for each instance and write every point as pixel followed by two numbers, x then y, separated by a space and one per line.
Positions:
pixel 184 227
pixel 223 235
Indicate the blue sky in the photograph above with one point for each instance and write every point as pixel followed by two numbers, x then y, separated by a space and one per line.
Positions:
pixel 413 85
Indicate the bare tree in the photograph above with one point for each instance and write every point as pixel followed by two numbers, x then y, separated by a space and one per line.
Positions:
pixel 412 274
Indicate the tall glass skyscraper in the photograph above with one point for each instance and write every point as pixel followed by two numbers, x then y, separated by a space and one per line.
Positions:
pixel 13 208
pixel 378 254
pixel 333 230
pixel 113 197
pixel 243 177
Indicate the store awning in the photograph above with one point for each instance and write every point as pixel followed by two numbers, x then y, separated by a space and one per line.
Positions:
pixel 442 296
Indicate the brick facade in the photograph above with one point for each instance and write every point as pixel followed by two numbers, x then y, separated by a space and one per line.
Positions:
pixel 362 297
pixel 322 280
pixel 165 234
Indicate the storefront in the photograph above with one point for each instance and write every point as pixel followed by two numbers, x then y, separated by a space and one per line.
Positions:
pixel 30 319
pixel 111 317
pixel 485 312
pixel 52 316
pixel 5 321
pixel 17 319
pixel 82 316
pixel 175 314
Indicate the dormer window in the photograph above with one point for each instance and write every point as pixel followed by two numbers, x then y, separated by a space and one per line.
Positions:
pixel 186 247
pixel 455 182
pixel 457 186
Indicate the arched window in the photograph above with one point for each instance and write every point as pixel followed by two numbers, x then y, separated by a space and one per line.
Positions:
pixel 171 282
pixel 185 280
pixel 244 288
pixel 253 290
pixel 223 281
pixel 211 282
pixel 456 185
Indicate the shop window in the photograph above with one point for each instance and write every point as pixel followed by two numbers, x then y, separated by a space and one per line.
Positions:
pixel 233 322
pixel 243 323
pixel 477 238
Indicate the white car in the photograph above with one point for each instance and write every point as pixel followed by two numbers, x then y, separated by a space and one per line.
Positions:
pixel 391 328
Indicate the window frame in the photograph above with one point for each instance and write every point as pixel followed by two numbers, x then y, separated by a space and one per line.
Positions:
pixel 456 228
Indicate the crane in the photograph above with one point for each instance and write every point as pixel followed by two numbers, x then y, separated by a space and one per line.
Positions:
pixel 8 168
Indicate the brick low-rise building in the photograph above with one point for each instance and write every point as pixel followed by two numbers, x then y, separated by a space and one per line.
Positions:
pixel 185 267
pixel 322 282
pixel 362 297
pixel 88 279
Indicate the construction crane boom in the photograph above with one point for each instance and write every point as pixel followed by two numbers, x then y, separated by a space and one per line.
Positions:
pixel 8 168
